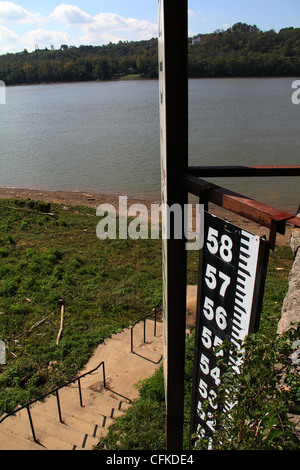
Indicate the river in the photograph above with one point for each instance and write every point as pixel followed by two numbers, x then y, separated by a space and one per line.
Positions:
pixel 104 136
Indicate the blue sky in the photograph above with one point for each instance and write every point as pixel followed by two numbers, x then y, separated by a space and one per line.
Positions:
pixel 27 23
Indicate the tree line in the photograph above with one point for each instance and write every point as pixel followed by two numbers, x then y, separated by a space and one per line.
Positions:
pixel 240 51
pixel 244 50
pixel 83 63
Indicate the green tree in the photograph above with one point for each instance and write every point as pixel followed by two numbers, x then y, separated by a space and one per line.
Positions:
pixel 102 69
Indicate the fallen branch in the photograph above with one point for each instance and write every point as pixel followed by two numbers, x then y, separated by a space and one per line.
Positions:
pixel 61 323
pixel 38 323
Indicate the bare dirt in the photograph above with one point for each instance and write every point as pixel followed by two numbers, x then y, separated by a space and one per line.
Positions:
pixel 95 199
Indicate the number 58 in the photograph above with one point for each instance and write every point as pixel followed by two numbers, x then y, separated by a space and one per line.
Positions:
pixel 224 246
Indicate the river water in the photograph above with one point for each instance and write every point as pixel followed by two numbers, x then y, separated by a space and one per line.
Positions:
pixel 104 136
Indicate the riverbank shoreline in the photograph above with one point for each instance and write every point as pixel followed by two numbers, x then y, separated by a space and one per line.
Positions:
pixel 135 77
pixel 94 199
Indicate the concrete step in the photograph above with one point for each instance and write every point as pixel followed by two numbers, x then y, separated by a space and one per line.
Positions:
pixel 65 435
pixel 51 434
pixel 79 422
pixel 94 430
pixel 123 370
pixel 84 425
pixel 95 405
pixel 138 333
pixel 17 425
pixel 12 441
pixel 87 426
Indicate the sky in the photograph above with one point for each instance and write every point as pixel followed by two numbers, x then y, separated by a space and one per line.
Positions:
pixel 27 24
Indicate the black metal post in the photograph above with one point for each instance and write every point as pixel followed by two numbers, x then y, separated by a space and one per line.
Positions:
pixel 131 339
pixel 80 395
pixel 31 424
pixel 104 379
pixel 58 406
pixel 173 97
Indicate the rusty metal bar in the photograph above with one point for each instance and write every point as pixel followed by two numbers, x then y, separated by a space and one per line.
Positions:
pixel 258 212
pixel 249 208
pixel 244 171
pixel 294 221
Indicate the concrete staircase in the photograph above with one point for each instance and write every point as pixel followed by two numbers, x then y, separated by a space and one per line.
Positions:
pixel 82 426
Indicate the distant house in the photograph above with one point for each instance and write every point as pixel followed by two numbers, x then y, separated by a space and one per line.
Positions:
pixel 196 39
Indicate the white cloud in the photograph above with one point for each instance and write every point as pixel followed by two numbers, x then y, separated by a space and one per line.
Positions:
pixel 114 22
pixel 97 29
pixel 44 38
pixel 77 27
pixel 70 14
pixel 93 38
pixel 111 21
pixel 116 28
pixel 7 34
pixel 9 38
pixel 12 13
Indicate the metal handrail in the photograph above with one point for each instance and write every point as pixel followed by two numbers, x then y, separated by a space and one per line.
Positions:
pixel 55 391
pixel 154 313
pixel 77 379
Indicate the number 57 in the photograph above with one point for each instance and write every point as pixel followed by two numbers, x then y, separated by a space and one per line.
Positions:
pixel 211 279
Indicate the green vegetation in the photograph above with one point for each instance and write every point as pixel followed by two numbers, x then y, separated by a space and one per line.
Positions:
pixel 266 391
pixel 51 252
pixel 84 63
pixel 240 51
pixel 246 51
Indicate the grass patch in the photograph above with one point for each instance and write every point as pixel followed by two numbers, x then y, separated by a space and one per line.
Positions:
pixel 52 253
pixel 132 76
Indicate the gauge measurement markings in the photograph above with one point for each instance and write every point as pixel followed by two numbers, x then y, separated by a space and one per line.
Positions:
pixel 229 266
